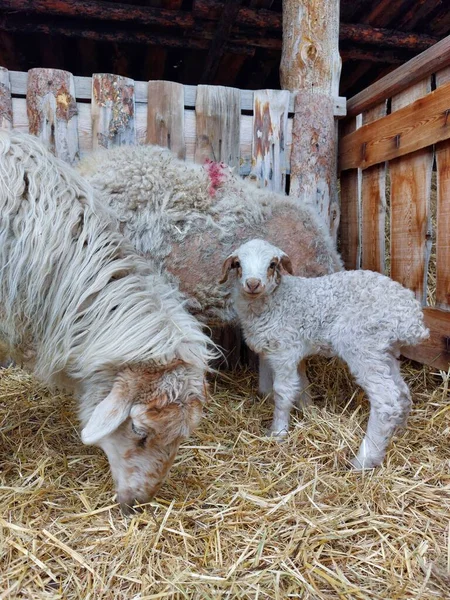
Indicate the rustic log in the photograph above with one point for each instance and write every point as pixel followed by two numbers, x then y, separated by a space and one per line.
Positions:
pixel 165 116
pixel 224 26
pixel 270 115
pixel 443 213
pixel 436 350
pixel 410 207
pixel 6 112
pixel 434 59
pixel 417 125
pixel 113 110
pixel 310 66
pixel 52 111
pixel 373 206
pixel 350 196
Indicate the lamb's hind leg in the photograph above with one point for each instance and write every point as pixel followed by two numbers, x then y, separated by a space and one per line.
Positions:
pixel 389 405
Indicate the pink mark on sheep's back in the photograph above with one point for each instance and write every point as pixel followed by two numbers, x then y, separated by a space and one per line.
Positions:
pixel 216 172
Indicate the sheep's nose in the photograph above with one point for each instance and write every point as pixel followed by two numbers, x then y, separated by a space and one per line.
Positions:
pixel 253 284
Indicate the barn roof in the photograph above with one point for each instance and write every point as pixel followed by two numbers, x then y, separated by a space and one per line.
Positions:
pixel 236 43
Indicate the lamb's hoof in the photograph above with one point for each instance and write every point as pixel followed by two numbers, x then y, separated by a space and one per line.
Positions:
pixel 364 464
pixel 276 433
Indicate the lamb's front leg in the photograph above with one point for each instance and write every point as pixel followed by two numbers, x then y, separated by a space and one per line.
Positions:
pixel 265 383
pixel 286 388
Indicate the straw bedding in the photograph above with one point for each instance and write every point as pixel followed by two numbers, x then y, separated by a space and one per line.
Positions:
pixel 241 516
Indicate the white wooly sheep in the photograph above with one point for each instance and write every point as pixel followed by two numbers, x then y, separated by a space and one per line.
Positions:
pixel 84 311
pixel 360 316
pixel 187 217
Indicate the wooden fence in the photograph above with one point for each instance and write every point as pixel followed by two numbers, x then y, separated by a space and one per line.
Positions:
pixel 387 203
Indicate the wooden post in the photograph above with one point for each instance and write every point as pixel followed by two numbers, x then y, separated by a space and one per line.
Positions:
pixel 52 111
pixel 113 110
pixel 165 116
pixel 6 114
pixel 311 67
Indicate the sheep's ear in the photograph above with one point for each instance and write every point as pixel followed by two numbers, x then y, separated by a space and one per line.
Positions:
pixel 107 416
pixel 286 264
pixel 226 268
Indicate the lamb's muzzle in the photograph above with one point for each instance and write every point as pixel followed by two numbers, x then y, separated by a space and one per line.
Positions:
pixel 360 316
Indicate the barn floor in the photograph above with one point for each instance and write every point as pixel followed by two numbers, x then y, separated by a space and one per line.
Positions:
pixel 241 516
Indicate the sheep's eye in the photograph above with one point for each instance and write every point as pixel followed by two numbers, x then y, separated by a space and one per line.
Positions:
pixel 273 264
pixel 236 264
pixel 141 433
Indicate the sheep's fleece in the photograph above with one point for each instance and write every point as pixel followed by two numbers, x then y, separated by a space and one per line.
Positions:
pixel 188 217
pixel 84 311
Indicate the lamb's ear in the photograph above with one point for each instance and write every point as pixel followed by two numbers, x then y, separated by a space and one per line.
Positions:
pixel 286 264
pixel 107 416
pixel 226 268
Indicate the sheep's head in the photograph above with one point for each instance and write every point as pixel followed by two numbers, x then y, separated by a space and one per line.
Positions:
pixel 141 423
pixel 258 266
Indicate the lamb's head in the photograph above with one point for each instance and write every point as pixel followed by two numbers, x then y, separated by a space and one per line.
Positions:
pixel 257 267
pixel 141 423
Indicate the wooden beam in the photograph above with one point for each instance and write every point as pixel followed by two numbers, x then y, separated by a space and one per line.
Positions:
pixel 224 26
pixel 310 67
pixel 418 125
pixel 436 350
pixel 387 38
pixel 435 58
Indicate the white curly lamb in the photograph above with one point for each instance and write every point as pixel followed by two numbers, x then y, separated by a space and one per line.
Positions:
pixel 360 316
pixel 83 310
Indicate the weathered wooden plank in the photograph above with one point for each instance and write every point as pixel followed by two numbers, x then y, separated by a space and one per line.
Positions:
pixel 217 125
pixel 6 114
pixel 350 196
pixel 417 125
pixel 113 110
pixel 83 91
pixel 373 206
pixel 269 136
pixel 435 58
pixel 410 208
pixel 443 213
pixel 52 111
pixel 165 117
pixel 436 350
pixel 311 66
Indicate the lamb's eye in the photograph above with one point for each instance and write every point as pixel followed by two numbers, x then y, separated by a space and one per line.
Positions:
pixel 272 265
pixel 236 264
pixel 141 433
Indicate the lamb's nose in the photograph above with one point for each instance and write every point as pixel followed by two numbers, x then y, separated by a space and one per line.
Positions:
pixel 253 284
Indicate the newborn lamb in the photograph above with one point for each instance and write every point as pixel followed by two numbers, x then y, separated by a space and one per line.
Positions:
pixel 360 316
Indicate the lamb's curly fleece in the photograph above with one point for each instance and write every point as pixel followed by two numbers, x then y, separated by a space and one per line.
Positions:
pixel 76 301
pixel 188 217
pixel 361 316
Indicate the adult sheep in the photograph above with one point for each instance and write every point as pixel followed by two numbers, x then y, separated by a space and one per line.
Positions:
pixel 85 312
pixel 188 217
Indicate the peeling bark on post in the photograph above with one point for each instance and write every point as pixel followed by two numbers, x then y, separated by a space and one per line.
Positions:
pixel 113 110
pixel 310 67
pixel 52 111
pixel 270 109
pixel 6 114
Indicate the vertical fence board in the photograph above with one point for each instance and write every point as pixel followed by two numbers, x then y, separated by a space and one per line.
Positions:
pixel 165 116
pixel 6 111
pixel 443 213
pixel 410 207
pixel 270 115
pixel 217 138
pixel 218 112
pixel 113 110
pixel 350 185
pixel 52 111
pixel 373 206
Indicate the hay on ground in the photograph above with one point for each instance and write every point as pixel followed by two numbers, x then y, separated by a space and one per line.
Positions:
pixel 242 516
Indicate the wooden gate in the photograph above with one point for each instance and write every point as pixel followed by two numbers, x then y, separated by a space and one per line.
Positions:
pixel 395 188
